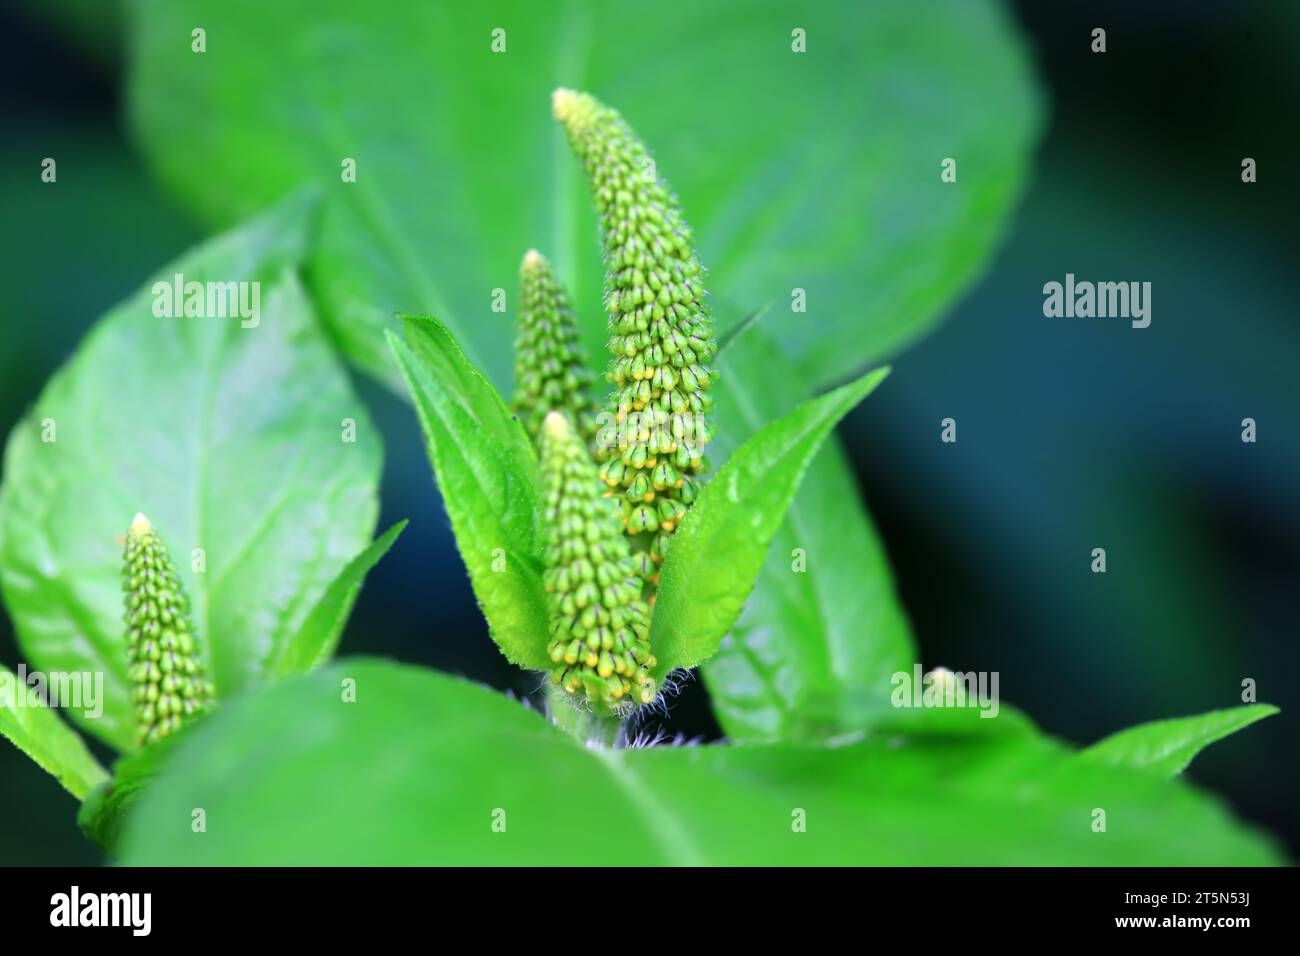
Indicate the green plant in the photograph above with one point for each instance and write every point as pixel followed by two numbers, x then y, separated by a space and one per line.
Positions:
pixel 559 539
pixel 268 500
pixel 169 684
pixel 652 448
pixel 798 665
pixel 454 181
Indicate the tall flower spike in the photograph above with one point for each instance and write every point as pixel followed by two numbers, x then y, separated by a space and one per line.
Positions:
pixel 599 625
pixel 168 683
pixel 661 337
pixel 550 366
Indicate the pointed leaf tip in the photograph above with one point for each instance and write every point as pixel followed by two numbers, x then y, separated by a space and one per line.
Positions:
pixel 1167 747
pixel 707 575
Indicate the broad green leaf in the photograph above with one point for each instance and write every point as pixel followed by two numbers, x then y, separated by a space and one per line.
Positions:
pixel 720 546
pixel 1168 746
pixel 318 638
pixel 491 499
pixel 38 731
pixel 814 649
pixel 445 359
pixel 421 766
pixel 817 171
pixel 232 436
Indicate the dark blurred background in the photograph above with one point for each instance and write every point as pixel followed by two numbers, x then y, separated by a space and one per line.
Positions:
pixel 1072 434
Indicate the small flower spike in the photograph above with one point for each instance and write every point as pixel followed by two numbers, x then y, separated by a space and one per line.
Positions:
pixel 661 337
pixel 169 684
pixel 599 625
pixel 550 367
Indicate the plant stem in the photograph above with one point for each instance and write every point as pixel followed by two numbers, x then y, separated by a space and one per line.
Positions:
pixel 603 731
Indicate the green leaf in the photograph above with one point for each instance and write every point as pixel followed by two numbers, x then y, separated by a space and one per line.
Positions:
pixel 39 732
pixel 316 642
pixel 814 649
pixel 719 548
pixel 445 359
pixel 421 766
pixel 836 191
pixel 1168 746
pixel 231 440
pixel 491 499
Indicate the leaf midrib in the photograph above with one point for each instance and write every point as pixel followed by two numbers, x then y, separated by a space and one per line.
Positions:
pixel 669 833
pixel 209 387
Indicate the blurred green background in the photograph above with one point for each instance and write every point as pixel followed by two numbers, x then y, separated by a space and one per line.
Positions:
pixel 1072 435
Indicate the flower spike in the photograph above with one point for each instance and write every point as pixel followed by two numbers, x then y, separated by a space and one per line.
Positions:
pixel 550 366
pixel 661 337
pixel 599 625
pixel 169 683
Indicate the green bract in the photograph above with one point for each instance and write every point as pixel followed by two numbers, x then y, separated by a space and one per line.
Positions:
pixel 169 684
pixel 660 331
pixel 599 625
pixel 550 366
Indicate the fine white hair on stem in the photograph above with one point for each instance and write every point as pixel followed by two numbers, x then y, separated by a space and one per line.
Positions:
pixel 633 732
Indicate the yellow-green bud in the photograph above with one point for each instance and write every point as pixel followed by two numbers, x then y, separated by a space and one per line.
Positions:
pixel 169 684
pixel 599 626
pixel 661 337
